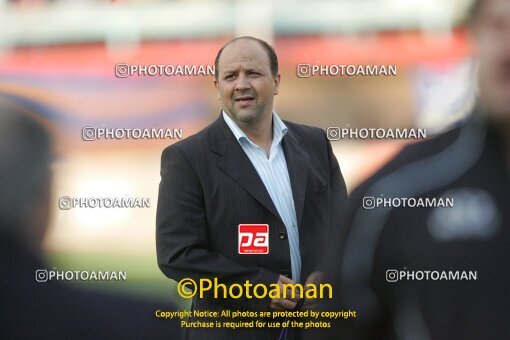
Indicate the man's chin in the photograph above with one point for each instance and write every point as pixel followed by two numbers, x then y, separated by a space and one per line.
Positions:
pixel 245 116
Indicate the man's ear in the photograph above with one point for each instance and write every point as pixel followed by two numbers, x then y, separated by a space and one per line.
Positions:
pixel 277 84
pixel 217 89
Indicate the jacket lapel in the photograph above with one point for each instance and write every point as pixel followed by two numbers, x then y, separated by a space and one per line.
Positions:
pixel 235 163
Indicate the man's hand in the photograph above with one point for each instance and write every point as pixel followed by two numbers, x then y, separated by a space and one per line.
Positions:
pixel 287 303
pixel 315 278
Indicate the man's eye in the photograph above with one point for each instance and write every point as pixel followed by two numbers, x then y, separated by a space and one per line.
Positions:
pixel 230 76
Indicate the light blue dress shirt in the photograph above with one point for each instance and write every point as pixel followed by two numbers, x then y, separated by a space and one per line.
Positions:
pixel 274 174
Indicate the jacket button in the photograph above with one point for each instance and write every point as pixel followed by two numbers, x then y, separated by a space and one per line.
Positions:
pixel 283 236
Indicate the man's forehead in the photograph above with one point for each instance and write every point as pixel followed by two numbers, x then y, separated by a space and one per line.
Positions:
pixel 246 53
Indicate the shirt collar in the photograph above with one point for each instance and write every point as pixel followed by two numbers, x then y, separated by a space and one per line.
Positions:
pixel 279 129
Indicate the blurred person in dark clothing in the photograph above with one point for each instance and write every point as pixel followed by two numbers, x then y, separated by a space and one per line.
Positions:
pixel 50 310
pixel 438 272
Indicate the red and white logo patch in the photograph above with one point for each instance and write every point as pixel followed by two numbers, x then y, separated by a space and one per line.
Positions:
pixel 253 239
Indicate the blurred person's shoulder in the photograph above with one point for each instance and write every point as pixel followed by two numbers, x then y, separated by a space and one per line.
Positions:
pixel 411 153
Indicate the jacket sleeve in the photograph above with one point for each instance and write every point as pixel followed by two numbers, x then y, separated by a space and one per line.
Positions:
pixel 182 237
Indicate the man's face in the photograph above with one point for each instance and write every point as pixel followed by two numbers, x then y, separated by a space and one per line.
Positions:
pixel 492 34
pixel 245 84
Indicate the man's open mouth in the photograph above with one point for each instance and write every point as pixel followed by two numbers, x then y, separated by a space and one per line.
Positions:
pixel 244 100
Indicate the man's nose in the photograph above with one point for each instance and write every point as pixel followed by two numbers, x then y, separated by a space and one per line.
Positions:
pixel 242 83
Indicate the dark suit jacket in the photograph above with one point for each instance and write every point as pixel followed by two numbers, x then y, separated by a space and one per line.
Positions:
pixel 475 175
pixel 209 186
